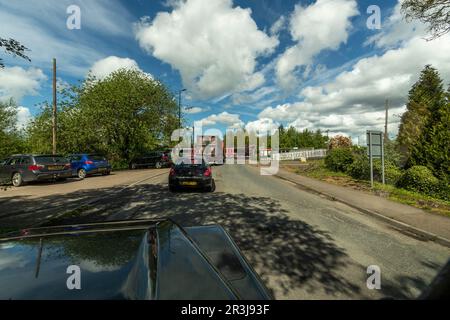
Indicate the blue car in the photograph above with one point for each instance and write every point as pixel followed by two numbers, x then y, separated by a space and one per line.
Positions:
pixel 88 164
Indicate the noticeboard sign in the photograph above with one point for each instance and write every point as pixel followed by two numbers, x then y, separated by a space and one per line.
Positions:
pixel 375 143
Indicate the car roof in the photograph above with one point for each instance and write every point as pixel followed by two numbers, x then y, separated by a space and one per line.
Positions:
pixel 35 155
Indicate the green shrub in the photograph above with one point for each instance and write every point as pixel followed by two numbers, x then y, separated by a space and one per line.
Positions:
pixel 360 168
pixel 443 190
pixel 420 179
pixel 392 174
pixel 339 159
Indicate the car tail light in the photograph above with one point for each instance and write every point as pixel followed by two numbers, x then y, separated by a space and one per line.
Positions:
pixel 67 165
pixel 172 172
pixel 89 162
pixel 35 167
pixel 207 172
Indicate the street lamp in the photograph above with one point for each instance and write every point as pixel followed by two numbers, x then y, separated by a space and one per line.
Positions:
pixel 193 124
pixel 179 106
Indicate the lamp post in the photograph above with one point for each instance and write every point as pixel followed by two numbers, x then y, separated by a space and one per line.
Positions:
pixel 179 106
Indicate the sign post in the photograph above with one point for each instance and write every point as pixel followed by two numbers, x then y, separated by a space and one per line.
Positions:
pixel 375 149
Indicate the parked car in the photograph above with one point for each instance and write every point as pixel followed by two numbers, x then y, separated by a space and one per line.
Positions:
pixel 19 169
pixel 191 175
pixel 89 164
pixel 133 259
pixel 156 159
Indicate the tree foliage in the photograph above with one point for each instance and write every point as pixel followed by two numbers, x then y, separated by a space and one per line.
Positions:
pixel 292 138
pixel 339 159
pixel 13 47
pixel 120 116
pixel 424 133
pixel 340 142
pixel 434 13
pixel 11 138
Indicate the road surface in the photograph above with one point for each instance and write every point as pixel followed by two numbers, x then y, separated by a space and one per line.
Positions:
pixel 303 246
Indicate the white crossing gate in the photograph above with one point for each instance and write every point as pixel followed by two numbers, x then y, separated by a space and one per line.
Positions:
pixel 297 155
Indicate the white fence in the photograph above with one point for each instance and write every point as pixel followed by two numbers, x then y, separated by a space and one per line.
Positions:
pixel 296 155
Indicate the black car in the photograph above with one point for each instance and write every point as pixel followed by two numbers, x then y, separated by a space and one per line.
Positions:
pixel 19 169
pixel 156 159
pixel 134 259
pixel 191 175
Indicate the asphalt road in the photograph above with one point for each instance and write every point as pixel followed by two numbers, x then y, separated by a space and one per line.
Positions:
pixel 303 246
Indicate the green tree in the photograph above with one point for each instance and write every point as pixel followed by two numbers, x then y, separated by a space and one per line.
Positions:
pixel 434 13
pixel 39 131
pixel 11 138
pixel 121 116
pixel 425 97
pixel 13 47
pixel 433 149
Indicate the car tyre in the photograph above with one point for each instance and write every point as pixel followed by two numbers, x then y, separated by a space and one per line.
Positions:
pixel 158 165
pixel 17 180
pixel 81 174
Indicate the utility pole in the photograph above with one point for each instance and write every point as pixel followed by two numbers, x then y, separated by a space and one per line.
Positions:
pixel 179 107
pixel 54 106
pixel 386 136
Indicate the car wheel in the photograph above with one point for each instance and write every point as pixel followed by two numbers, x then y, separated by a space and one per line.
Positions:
pixel 17 180
pixel 81 174
pixel 211 188
pixel 158 165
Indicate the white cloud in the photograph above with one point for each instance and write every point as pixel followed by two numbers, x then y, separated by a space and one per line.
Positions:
pixel 106 66
pixel 229 119
pixel 396 30
pixel 41 27
pixel 101 16
pixel 354 100
pixel 279 25
pixel 246 98
pixel 194 110
pixel 23 117
pixel 262 126
pixel 323 25
pixel 213 44
pixel 376 78
pixel 17 82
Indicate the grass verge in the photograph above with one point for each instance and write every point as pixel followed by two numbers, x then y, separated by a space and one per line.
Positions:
pixel 316 169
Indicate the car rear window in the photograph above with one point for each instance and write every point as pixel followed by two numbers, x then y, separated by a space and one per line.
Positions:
pixel 50 159
pixel 97 158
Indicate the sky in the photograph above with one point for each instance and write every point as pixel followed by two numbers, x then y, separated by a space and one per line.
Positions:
pixel 251 64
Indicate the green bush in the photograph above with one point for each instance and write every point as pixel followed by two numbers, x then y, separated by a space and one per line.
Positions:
pixel 360 168
pixel 443 190
pixel 339 159
pixel 392 173
pixel 420 179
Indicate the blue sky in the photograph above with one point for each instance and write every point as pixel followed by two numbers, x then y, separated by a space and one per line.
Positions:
pixel 253 64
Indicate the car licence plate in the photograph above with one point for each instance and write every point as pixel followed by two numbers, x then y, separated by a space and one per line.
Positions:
pixel 54 168
pixel 188 183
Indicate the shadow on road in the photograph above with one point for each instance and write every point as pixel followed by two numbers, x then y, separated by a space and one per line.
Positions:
pixel 288 254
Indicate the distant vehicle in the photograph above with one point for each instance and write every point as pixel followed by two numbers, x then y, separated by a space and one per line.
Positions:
pixel 191 176
pixel 89 164
pixel 155 159
pixel 20 169
pixel 127 260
